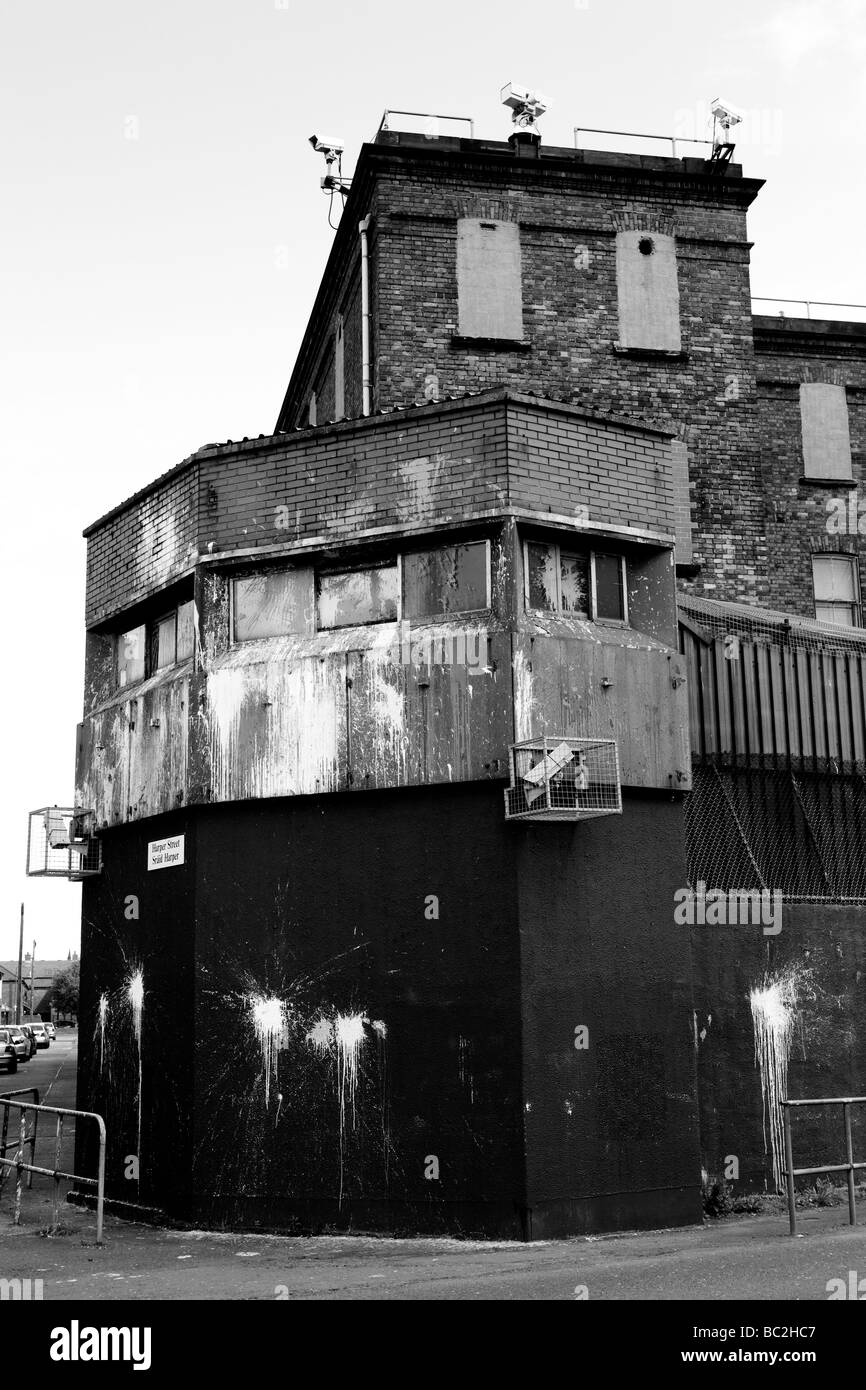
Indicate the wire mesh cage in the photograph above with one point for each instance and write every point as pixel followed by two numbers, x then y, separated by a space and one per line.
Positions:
pixel 61 844
pixel 557 778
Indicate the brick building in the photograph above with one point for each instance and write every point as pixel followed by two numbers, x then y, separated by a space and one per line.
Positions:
pixel 539 473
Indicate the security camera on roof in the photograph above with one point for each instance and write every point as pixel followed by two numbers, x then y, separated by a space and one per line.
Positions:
pixel 725 115
pixel 522 101
pixel 327 144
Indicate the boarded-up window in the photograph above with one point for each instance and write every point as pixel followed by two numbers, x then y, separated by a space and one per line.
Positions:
pixel 609 602
pixel 359 596
pixel 647 291
pixel 130 656
pixel 489 283
pixel 185 631
pixel 451 579
pixel 273 605
pixel 682 501
pixel 311 410
pixel 339 372
pixel 824 422
pixel 837 598
pixel 164 642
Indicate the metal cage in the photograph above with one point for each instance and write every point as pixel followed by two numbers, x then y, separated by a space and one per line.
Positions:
pixel 61 844
pixel 563 779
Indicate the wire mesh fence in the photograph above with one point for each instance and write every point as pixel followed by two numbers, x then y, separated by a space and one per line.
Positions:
pixel 790 832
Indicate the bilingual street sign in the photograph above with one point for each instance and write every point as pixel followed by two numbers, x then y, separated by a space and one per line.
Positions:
pixel 165 854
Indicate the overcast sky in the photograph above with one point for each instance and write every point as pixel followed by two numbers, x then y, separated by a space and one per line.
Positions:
pixel 163 233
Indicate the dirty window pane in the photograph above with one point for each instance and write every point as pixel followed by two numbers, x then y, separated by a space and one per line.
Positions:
pixel 835 590
pixel 165 642
pixel 452 579
pixel 130 656
pixel 271 605
pixel 185 630
pixel 541 566
pixel 361 596
pixel 609 596
pixel 574 582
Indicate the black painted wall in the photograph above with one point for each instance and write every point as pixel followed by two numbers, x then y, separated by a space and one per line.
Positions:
pixel 822 948
pixel 611 1128
pixel 324 902
pixel 114 944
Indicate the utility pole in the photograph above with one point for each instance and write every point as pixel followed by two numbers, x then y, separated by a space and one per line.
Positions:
pixel 20 963
pixel 32 961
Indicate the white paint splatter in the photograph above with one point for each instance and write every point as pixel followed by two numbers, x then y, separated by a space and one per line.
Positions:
pixel 101 1019
pixel 348 1035
pixel 379 1027
pixel 135 995
pixel 522 697
pixel 270 1021
pixel 774 1013
pixel 321 1035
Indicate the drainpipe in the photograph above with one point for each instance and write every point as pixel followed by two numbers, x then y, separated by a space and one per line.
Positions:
pixel 365 317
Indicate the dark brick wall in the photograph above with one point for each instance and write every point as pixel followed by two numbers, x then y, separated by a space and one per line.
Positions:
pixel 744 501
pixel 431 464
pixel 788 353
pixel 568 222
pixel 143 545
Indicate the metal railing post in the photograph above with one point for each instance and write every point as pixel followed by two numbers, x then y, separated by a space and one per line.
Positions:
pixel 849 1154
pixel 789 1167
pixel 58 1148
pixel 100 1190
pixel 57 1173
pixel 19 1169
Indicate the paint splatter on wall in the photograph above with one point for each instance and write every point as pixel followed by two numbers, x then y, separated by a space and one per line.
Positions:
pixel 774 1004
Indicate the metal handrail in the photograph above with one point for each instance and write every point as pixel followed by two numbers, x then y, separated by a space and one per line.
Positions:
pixel 425 116
pixel 24 1091
pixel 57 1173
pixel 822 303
pixel 639 135
pixel 848 1167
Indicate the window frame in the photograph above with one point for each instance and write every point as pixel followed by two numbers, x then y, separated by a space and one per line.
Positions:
pixel 234 640
pixel 855 604
pixel 441 615
pixel 151 627
pixel 561 612
pixel 327 571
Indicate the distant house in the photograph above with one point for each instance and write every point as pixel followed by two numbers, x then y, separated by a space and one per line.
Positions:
pixel 45 972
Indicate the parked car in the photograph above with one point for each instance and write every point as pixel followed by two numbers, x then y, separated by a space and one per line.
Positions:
pixel 29 1035
pixel 8 1055
pixel 51 1031
pixel 42 1038
pixel 20 1042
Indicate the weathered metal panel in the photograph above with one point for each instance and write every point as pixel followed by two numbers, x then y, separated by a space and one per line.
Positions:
pixel 844 749
pixel 727 745
pixel 633 693
pixel 158 744
pixel 276 727
pixel 102 764
pixel 763 695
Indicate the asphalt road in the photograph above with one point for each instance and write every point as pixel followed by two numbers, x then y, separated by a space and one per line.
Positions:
pixel 749 1258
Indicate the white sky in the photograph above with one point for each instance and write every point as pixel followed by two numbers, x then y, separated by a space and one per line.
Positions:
pixel 149 304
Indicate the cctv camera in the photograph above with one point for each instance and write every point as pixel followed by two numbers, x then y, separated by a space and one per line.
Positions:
pixel 326 144
pixel 725 115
